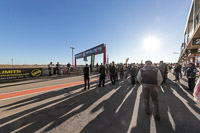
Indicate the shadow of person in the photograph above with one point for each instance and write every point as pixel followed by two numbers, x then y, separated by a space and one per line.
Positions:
pixel 175 115
pixel 142 124
pixel 146 123
pixel 52 113
pixel 116 114
pixel 185 94
pixel 44 96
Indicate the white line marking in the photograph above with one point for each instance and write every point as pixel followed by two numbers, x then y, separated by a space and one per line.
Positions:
pixel 171 119
pixel 124 100
pixel 133 122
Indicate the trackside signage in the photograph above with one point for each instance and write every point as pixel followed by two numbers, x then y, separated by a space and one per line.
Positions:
pixel 196 41
pixel 6 74
pixel 93 51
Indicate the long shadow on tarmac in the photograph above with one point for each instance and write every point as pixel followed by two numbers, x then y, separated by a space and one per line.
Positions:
pixel 117 113
pixel 63 108
pixel 178 111
pixel 40 80
pixel 175 115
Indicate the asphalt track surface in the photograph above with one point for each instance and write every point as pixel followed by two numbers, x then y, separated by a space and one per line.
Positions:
pixel 62 106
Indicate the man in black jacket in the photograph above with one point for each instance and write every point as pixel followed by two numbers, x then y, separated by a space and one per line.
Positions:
pixel 133 73
pixel 112 73
pixel 102 71
pixel 86 71
pixel 121 70
pixel 191 75
pixel 177 72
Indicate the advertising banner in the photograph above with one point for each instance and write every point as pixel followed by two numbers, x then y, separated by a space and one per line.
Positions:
pixel 196 41
pixel 6 74
pixel 192 51
pixel 96 50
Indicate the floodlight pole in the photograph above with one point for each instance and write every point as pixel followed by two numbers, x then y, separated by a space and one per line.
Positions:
pixel 12 62
pixel 72 54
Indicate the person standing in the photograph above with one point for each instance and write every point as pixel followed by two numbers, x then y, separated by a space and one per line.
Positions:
pixel 177 72
pixel 121 70
pixel 125 71
pixel 191 75
pixel 50 68
pixel 86 71
pixel 112 73
pixel 150 78
pixel 68 67
pixel 133 73
pixel 117 71
pixel 163 69
pixel 97 67
pixel 107 71
pixel 102 71
pixel 58 68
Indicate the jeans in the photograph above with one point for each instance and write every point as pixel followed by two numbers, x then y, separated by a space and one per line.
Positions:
pixel 151 91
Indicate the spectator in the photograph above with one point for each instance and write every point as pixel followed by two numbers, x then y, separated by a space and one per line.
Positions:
pixel 177 72
pixel 133 73
pixel 50 68
pixel 191 75
pixel 86 71
pixel 150 78
pixel 68 67
pixel 102 71
pixel 112 73
pixel 58 68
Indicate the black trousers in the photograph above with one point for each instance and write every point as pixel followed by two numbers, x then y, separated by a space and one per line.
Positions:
pixel 121 75
pixel 191 83
pixel 102 80
pixel 112 78
pixel 177 74
pixel 87 80
pixel 116 76
pixel 151 91
pixel 50 74
pixel 132 80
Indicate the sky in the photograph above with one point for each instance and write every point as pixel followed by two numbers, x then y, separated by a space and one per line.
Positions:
pixel 40 31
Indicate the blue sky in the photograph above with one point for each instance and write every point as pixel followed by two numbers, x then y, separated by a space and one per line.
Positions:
pixel 40 31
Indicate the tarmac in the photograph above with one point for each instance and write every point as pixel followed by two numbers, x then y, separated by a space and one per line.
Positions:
pixel 61 105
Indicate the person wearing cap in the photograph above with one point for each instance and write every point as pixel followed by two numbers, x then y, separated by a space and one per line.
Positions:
pixel 150 78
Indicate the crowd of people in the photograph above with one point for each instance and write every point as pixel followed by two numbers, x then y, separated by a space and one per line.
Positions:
pixel 149 75
pixel 57 69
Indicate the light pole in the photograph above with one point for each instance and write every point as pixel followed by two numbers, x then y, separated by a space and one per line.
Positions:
pixel 12 62
pixel 72 54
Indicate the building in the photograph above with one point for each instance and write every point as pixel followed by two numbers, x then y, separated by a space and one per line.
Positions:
pixel 190 48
